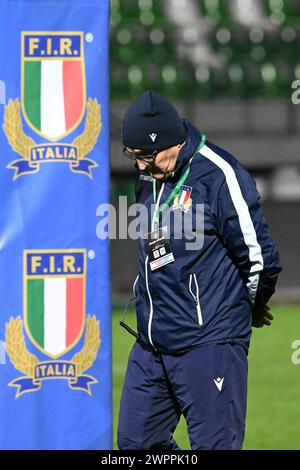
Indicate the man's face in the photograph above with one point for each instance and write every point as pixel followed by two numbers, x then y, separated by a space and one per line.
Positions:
pixel 162 166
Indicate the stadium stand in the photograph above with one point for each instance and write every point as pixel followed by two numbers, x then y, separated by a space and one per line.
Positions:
pixel 207 44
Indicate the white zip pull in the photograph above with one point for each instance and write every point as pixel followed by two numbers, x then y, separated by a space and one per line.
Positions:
pixel 196 297
pixel 134 284
pixel 199 313
pixel 190 288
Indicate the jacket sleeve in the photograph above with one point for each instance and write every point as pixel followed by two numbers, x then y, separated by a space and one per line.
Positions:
pixel 244 231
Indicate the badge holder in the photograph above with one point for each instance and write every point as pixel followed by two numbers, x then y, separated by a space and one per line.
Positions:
pixel 158 248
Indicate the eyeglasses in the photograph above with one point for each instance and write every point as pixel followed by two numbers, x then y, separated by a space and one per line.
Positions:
pixel 145 156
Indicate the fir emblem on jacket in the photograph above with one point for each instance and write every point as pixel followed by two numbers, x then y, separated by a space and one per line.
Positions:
pixel 183 199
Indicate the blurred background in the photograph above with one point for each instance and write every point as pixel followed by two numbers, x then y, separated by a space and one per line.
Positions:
pixel 228 66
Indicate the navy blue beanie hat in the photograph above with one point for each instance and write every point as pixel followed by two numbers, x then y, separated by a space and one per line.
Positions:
pixel 152 123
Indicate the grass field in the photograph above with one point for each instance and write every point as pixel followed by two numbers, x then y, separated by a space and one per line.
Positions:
pixel 273 418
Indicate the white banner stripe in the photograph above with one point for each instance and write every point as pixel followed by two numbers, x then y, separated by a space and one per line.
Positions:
pixel 181 201
pixel 53 123
pixel 55 307
pixel 241 207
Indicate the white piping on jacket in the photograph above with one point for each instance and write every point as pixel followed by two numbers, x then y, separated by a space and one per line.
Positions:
pixel 245 221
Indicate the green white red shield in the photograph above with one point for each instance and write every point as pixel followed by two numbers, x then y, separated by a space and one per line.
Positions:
pixel 53 91
pixel 54 310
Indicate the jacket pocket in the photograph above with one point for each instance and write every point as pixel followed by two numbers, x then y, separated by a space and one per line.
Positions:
pixel 194 291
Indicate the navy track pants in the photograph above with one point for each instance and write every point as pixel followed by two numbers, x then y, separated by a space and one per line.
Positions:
pixel 208 385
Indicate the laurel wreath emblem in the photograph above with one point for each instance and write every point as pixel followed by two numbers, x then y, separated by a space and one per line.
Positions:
pixel 25 362
pixel 86 141
pixel 13 128
pixel 22 143
pixel 85 358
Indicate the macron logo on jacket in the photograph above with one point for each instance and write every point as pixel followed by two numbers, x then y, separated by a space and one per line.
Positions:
pixel 153 137
pixel 219 383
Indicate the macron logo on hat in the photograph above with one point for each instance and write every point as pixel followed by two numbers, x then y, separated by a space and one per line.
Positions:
pixel 153 136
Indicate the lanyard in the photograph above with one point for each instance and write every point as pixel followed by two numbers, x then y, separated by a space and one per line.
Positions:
pixel 165 205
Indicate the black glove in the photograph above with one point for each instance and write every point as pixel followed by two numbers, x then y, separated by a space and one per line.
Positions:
pixel 261 316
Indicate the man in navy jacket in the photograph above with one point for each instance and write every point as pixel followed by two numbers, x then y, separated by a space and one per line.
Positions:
pixel 195 302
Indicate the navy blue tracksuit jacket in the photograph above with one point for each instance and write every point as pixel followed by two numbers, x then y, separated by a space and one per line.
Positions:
pixel 207 294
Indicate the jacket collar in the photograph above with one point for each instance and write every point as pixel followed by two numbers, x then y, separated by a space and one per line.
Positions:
pixel 192 140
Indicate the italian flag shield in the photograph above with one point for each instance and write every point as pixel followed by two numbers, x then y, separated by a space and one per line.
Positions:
pixel 53 89
pixel 54 310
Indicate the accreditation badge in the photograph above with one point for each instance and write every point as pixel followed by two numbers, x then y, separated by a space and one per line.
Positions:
pixel 158 248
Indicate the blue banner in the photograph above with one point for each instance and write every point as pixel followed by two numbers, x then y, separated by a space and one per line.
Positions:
pixel 55 371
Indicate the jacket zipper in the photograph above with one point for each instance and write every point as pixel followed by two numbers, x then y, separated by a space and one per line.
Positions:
pixel 146 270
pixel 196 297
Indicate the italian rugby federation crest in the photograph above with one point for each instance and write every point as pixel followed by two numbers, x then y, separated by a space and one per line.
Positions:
pixel 53 104
pixel 53 82
pixel 183 199
pixel 54 299
pixel 54 320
